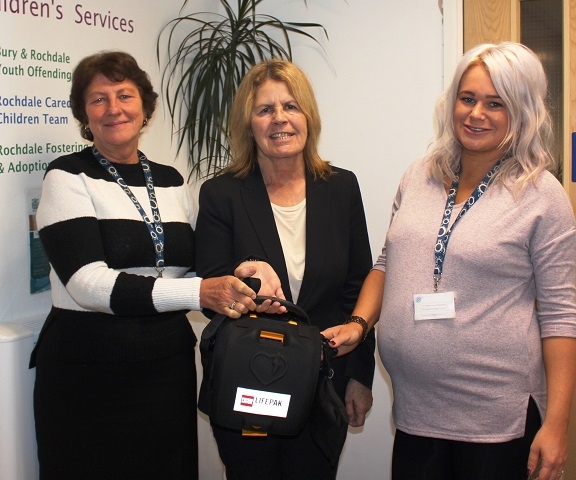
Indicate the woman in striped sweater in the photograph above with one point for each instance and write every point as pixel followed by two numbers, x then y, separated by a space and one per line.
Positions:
pixel 115 392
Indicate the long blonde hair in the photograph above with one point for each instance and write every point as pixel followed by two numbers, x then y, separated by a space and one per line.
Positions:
pixel 519 79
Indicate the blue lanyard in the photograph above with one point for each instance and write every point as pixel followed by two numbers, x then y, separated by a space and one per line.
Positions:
pixel 445 228
pixel 155 225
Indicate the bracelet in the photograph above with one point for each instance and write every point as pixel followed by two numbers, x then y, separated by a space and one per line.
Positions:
pixel 360 321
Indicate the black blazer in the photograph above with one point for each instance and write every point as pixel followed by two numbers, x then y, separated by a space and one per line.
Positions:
pixel 235 221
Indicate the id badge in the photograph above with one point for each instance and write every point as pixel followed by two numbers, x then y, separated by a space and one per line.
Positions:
pixel 434 306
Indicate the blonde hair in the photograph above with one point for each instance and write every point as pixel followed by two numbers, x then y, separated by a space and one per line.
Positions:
pixel 241 141
pixel 519 79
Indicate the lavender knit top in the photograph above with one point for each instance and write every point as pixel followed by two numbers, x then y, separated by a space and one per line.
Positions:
pixel 511 263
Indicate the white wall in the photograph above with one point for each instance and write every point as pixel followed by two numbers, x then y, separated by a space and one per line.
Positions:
pixel 376 94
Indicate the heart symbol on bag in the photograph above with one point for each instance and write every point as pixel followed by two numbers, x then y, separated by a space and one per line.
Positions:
pixel 268 368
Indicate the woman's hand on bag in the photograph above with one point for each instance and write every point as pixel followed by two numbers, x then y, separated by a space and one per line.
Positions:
pixel 344 337
pixel 227 295
pixel 230 296
pixel 270 285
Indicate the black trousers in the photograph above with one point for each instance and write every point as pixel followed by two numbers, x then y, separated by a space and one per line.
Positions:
pixel 274 457
pixel 423 458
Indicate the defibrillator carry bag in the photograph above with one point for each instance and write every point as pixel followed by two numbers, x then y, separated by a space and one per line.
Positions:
pixel 261 370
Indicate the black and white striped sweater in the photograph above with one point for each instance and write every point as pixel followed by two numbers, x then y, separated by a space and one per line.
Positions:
pixel 100 250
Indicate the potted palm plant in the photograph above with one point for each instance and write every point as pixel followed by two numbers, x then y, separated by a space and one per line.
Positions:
pixel 207 55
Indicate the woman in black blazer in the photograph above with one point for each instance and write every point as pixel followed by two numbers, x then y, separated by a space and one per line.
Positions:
pixel 279 201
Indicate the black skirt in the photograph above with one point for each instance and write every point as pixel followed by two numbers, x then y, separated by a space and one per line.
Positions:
pixel 115 398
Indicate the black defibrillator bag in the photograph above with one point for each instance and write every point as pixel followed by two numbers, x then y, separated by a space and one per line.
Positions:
pixel 261 370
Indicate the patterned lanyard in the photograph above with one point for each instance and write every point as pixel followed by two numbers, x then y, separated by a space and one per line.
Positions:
pixel 154 226
pixel 445 228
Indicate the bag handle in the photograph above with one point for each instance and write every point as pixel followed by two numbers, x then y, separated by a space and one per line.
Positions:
pixel 293 312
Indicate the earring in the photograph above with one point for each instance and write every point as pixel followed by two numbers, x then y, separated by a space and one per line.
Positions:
pixel 86 128
pixel 145 122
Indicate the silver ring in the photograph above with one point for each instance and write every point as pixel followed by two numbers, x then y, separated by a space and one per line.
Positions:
pixel 232 305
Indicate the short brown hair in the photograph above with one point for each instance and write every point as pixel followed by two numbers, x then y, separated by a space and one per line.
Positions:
pixel 116 66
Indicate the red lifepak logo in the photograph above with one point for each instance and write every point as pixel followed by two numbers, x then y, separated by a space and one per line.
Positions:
pixel 247 401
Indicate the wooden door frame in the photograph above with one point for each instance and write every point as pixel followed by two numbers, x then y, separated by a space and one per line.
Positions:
pixel 453 36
